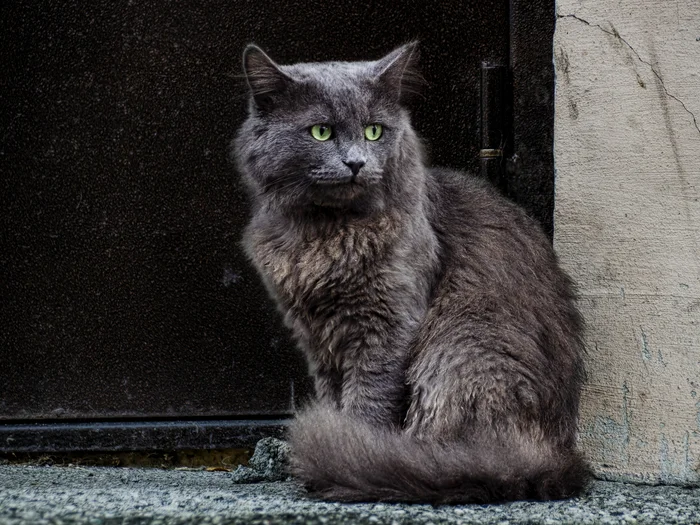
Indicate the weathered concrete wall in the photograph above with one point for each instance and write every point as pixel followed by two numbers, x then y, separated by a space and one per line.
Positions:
pixel 627 226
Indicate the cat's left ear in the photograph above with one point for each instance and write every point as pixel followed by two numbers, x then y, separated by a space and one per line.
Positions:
pixel 398 72
pixel 264 76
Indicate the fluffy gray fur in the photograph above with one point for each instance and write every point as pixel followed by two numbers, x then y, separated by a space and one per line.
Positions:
pixel 441 334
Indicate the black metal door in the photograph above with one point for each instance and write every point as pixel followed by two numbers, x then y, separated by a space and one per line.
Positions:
pixel 125 296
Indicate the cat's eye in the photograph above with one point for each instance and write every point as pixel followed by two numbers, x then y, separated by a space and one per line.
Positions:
pixel 373 131
pixel 321 132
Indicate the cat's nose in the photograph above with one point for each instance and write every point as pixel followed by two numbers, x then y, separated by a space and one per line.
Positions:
pixel 354 165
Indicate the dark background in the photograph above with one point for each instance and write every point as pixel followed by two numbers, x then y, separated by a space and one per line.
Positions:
pixel 123 292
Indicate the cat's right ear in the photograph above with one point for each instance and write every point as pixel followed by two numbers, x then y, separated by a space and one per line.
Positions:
pixel 265 78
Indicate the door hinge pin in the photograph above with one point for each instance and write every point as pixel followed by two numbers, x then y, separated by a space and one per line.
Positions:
pixel 494 129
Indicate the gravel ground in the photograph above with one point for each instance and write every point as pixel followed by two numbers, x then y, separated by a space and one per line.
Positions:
pixel 97 495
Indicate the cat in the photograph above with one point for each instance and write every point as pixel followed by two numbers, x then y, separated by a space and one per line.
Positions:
pixel 442 337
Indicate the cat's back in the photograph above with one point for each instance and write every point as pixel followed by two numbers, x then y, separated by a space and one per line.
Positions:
pixel 491 242
pixel 468 205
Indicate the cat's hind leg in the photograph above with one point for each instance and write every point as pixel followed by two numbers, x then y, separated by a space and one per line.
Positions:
pixel 498 403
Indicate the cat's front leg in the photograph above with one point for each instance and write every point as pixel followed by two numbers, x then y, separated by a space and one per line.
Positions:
pixel 373 386
pixel 327 385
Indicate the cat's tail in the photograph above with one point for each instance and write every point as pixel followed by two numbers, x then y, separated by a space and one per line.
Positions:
pixel 343 459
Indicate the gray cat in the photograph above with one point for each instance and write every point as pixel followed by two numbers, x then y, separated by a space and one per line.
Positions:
pixel 441 335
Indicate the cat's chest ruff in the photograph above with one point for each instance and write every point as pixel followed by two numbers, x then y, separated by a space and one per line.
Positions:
pixel 327 263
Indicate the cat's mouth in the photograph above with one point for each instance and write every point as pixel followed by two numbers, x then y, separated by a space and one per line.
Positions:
pixel 340 190
pixel 334 181
pixel 337 192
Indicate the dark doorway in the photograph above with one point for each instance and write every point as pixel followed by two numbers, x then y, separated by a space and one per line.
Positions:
pixel 129 313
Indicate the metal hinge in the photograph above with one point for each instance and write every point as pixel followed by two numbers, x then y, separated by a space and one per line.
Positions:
pixel 495 123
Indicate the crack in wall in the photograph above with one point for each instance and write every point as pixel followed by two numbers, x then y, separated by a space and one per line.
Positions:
pixel 617 35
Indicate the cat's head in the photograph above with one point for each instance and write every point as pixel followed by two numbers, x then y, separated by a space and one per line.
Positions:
pixel 332 134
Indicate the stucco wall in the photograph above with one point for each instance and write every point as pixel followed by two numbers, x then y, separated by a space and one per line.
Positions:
pixel 627 226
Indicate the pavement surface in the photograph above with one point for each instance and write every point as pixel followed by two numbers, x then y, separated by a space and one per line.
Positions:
pixel 111 495
pixel 260 494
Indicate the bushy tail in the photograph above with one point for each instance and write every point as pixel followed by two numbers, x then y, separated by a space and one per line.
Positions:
pixel 343 459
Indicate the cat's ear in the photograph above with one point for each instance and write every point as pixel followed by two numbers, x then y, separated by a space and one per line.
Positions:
pixel 398 72
pixel 265 78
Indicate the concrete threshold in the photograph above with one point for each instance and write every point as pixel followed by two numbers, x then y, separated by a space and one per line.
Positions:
pixel 111 495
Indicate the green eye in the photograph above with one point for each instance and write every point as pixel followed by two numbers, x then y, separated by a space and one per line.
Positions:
pixel 321 132
pixel 373 131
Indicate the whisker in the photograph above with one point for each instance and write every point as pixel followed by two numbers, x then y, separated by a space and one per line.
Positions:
pixel 296 182
pixel 284 178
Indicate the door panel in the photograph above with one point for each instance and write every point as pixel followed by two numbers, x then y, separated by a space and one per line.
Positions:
pixel 124 291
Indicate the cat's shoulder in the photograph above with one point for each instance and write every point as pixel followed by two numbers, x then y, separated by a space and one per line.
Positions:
pixel 469 205
pixel 453 188
pixel 462 180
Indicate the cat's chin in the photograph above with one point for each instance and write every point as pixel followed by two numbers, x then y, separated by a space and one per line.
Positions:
pixel 336 195
pixel 346 197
